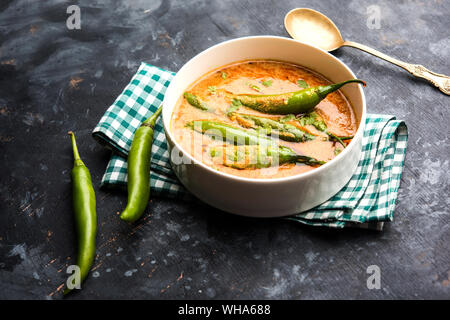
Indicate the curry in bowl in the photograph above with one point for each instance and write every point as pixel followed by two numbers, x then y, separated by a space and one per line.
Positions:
pixel 263 119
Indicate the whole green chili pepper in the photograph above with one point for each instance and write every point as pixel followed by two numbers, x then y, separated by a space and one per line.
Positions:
pixel 301 101
pixel 229 133
pixel 256 157
pixel 195 101
pixel 241 137
pixel 85 213
pixel 138 179
pixel 284 131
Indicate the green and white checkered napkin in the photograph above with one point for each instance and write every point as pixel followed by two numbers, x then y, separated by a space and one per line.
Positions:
pixel 368 199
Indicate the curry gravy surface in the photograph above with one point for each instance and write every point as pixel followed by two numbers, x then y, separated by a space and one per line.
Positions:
pixel 240 78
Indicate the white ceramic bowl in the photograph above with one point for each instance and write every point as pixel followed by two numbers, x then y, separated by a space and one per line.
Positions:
pixel 266 197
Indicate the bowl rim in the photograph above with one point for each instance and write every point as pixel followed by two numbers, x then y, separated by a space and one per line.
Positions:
pixel 303 175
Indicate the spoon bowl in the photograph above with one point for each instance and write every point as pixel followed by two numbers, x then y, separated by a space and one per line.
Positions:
pixel 312 27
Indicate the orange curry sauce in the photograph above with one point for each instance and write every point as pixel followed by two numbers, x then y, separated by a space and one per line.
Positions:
pixel 240 78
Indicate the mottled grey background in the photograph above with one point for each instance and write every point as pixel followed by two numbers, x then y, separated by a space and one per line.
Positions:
pixel 53 79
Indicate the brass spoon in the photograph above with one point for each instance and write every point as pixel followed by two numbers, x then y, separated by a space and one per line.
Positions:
pixel 311 26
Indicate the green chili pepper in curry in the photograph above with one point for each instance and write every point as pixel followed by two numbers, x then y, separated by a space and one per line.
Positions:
pixel 301 101
pixel 196 101
pixel 263 153
pixel 225 132
pixel 284 131
pixel 257 157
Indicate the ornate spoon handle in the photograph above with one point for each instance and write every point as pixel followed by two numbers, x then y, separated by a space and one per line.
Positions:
pixel 439 80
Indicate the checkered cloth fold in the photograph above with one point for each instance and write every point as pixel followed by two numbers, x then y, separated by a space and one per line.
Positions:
pixel 368 199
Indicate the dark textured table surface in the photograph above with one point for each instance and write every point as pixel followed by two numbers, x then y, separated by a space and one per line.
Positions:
pixel 53 79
